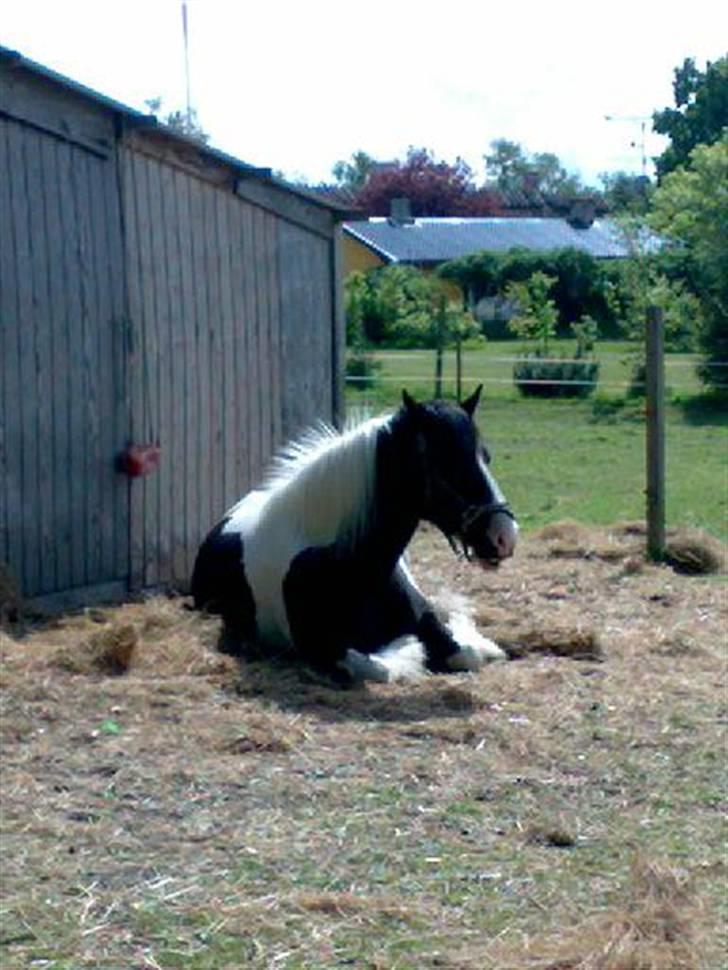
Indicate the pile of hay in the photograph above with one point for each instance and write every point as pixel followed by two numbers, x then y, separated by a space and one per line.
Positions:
pixel 691 551
pixel 107 651
pixel 659 926
pixel 577 643
pixel 695 552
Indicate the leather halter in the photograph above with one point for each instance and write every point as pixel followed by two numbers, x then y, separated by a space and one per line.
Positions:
pixel 467 513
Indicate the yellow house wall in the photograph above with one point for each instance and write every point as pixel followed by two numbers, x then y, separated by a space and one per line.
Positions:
pixel 359 258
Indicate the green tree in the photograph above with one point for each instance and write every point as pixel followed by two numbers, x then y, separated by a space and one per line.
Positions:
pixel 700 115
pixel 399 306
pixel 624 192
pixel 691 205
pixel 580 286
pixel 353 174
pixel 183 122
pixel 511 169
pixel 536 315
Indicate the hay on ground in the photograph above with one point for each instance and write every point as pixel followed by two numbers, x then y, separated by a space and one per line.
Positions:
pixel 659 927
pixel 109 651
pixel 574 642
pixel 695 552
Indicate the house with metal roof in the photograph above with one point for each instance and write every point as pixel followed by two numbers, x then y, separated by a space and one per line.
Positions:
pixel 428 242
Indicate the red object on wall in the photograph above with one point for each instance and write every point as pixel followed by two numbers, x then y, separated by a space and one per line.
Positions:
pixel 139 460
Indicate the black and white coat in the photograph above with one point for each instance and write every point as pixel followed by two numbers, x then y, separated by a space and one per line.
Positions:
pixel 313 560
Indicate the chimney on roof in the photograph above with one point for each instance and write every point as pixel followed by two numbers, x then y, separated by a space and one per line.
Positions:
pixel 400 212
pixel 582 213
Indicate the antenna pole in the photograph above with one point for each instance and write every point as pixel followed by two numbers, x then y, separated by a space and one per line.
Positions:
pixel 185 34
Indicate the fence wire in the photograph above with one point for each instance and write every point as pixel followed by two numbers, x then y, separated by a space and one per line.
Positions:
pixel 376 378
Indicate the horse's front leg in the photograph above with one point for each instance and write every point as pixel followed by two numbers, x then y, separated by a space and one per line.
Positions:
pixel 450 644
pixel 317 602
pixel 349 622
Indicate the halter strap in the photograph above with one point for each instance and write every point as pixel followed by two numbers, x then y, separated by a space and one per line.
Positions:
pixel 469 514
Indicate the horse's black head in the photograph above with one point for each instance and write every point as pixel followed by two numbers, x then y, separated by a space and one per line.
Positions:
pixel 461 496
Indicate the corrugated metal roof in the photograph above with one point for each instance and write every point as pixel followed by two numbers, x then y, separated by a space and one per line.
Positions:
pixel 430 240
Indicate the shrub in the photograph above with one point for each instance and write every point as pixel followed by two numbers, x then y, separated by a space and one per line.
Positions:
pixel 535 377
pixel 361 369
pixel 534 374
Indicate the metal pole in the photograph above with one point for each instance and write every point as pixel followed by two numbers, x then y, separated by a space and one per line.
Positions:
pixel 655 414
pixel 185 36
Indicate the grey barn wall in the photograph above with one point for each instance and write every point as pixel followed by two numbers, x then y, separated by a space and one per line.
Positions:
pixel 148 292
pixel 63 509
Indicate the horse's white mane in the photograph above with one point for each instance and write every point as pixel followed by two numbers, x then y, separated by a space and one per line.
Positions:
pixel 324 479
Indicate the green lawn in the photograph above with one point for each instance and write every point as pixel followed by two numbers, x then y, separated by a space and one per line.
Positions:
pixel 581 459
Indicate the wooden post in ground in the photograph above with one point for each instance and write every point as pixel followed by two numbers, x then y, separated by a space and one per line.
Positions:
pixel 440 339
pixel 655 415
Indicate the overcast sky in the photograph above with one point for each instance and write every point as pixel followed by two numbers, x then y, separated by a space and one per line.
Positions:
pixel 298 85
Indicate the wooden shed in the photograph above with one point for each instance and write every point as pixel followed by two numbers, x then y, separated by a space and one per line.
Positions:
pixel 151 290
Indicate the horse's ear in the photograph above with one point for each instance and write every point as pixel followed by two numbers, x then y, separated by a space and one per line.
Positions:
pixel 408 401
pixel 470 404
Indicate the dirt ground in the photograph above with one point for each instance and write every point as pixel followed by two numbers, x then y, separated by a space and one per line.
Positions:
pixel 163 806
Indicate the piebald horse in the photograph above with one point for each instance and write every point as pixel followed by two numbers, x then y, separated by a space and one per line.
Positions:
pixel 312 562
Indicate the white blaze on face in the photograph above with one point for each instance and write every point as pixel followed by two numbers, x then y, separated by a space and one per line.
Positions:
pixel 502 529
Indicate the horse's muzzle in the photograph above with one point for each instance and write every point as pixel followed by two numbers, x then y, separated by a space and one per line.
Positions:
pixel 491 540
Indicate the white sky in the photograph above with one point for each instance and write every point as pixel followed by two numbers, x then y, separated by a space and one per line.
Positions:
pixel 298 85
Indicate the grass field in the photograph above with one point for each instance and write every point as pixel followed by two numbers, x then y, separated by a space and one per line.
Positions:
pixel 564 811
pixel 584 460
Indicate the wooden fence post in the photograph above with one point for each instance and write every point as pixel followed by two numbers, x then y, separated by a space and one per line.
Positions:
pixel 655 415
pixel 440 338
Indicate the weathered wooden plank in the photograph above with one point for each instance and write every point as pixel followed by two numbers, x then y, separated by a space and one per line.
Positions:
pixel 148 429
pixel 121 415
pixel 202 352
pixel 264 333
pixel 135 354
pixel 241 375
pixel 89 490
pixel 212 273
pixel 163 226
pixel 67 378
pixel 192 159
pixel 28 391
pixel 306 314
pixel 103 377
pixel 322 319
pixel 176 457
pixel 338 329
pixel 44 105
pixel 292 315
pixel 57 381
pixel 249 325
pixel 42 321
pixel 5 331
pixel 11 550
pixel 80 596
pixel 157 549
pixel 186 323
pixel 310 216
pixel 226 325
pixel 274 284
